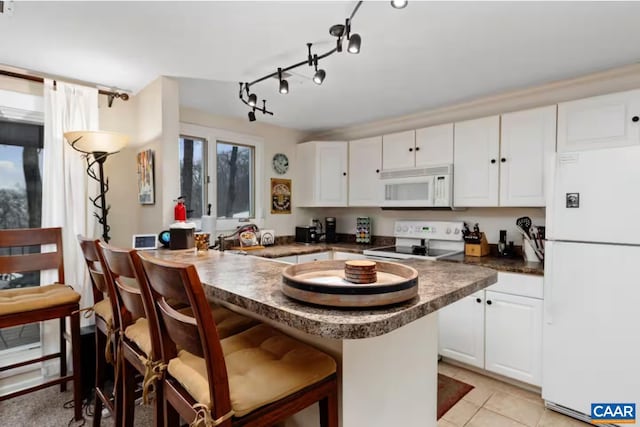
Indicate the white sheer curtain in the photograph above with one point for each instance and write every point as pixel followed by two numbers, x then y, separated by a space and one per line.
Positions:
pixel 66 186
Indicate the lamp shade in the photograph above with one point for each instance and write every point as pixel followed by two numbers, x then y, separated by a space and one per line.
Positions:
pixel 88 141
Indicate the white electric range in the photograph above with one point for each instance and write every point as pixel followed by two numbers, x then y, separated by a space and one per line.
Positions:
pixel 428 240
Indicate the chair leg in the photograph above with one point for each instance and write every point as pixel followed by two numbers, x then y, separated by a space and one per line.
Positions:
pixel 100 376
pixel 171 416
pixel 128 381
pixel 63 353
pixel 77 373
pixel 158 405
pixel 329 410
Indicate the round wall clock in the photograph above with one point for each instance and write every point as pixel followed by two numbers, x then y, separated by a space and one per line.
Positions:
pixel 280 163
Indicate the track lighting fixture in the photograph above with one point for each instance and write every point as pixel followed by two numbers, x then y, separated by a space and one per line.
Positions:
pixel 399 4
pixel 319 76
pixel 354 43
pixel 284 85
pixel 339 31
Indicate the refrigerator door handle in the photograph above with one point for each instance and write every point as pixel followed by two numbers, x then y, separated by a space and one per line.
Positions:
pixel 548 284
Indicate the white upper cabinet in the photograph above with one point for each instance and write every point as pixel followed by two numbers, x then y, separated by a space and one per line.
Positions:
pixel 526 146
pixel 365 163
pixel 476 166
pixel 322 173
pixel 434 145
pixel 398 150
pixel 424 147
pixel 600 122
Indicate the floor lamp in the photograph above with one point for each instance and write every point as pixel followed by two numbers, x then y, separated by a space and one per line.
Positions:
pixel 96 147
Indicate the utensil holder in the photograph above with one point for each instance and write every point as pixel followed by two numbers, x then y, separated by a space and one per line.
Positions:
pixel 529 252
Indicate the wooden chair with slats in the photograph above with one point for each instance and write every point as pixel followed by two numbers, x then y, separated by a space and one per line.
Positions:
pixel 106 332
pixel 40 303
pixel 135 350
pixel 258 377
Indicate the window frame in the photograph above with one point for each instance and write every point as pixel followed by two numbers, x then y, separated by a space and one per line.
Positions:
pixel 212 136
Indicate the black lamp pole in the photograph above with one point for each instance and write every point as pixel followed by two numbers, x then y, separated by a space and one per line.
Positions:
pixel 100 201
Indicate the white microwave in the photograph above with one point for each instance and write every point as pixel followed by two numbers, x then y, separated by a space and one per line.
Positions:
pixel 418 187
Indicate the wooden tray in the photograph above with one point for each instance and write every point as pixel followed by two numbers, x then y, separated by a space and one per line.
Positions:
pixel 323 283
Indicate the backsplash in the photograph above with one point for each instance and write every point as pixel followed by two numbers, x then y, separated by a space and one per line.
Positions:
pixel 491 220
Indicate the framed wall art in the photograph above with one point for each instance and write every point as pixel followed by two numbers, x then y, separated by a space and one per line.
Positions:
pixel 146 185
pixel 280 196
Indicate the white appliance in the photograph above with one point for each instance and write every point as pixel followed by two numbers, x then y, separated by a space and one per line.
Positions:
pixel 421 240
pixel 591 331
pixel 418 187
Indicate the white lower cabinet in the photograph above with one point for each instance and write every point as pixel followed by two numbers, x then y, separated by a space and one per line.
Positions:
pixel 318 256
pixel 513 336
pixel 461 327
pixel 292 259
pixel 497 331
pixel 347 256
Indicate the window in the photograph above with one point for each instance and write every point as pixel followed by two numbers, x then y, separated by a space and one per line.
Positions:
pixel 234 178
pixel 192 175
pixel 20 207
pixel 220 170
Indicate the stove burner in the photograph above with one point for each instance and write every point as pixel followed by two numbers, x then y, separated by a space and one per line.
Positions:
pixel 419 250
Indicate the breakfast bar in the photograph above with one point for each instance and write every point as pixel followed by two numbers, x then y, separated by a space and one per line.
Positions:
pixel 387 356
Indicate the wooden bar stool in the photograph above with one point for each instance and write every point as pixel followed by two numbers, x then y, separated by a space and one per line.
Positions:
pixel 255 378
pixel 40 303
pixel 106 331
pixel 141 343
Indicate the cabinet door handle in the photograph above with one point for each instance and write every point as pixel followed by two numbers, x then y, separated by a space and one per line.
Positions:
pixel 489 302
pixel 344 174
pixel 377 170
pixel 478 300
pixel 634 119
pixel 417 148
pixel 410 149
pixel 493 161
pixel 503 160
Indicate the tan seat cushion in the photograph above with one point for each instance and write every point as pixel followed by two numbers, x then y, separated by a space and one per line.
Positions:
pixel 263 366
pixel 36 298
pixel 103 310
pixel 138 332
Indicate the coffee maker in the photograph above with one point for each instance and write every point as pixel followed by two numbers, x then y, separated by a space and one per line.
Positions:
pixel 330 230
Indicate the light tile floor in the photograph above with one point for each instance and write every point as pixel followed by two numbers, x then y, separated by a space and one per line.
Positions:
pixel 493 403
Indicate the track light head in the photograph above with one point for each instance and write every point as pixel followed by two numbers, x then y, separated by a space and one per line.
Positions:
pixel 253 100
pixel 354 43
pixel 399 4
pixel 284 86
pixel 252 116
pixel 319 76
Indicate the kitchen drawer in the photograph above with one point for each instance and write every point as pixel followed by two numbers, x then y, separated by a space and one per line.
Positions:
pixel 525 285
pixel 347 255
pixel 319 256
pixel 292 259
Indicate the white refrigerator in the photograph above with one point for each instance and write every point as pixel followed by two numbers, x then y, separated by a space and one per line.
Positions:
pixel 591 331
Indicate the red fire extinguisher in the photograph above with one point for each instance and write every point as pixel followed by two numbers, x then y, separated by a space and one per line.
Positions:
pixel 180 210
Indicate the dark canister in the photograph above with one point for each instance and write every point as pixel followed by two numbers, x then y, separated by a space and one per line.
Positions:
pixel 330 230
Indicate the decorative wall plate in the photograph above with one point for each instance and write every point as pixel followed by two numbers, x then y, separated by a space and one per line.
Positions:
pixel 280 163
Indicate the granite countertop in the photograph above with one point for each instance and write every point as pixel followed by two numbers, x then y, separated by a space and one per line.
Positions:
pixel 291 249
pixel 254 284
pixel 512 265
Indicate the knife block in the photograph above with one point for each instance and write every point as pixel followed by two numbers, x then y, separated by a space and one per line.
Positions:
pixel 477 249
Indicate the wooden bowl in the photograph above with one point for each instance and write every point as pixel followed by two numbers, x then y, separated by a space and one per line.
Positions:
pixel 325 283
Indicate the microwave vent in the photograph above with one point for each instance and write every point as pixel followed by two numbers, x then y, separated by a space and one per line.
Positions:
pixel 410 173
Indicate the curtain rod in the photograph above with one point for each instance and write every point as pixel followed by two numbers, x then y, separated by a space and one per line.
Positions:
pixel 111 95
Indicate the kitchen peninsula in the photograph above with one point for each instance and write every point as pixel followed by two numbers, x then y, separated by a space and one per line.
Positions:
pixel 387 357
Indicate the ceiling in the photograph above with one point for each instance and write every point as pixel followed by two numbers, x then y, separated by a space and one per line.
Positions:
pixel 425 56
